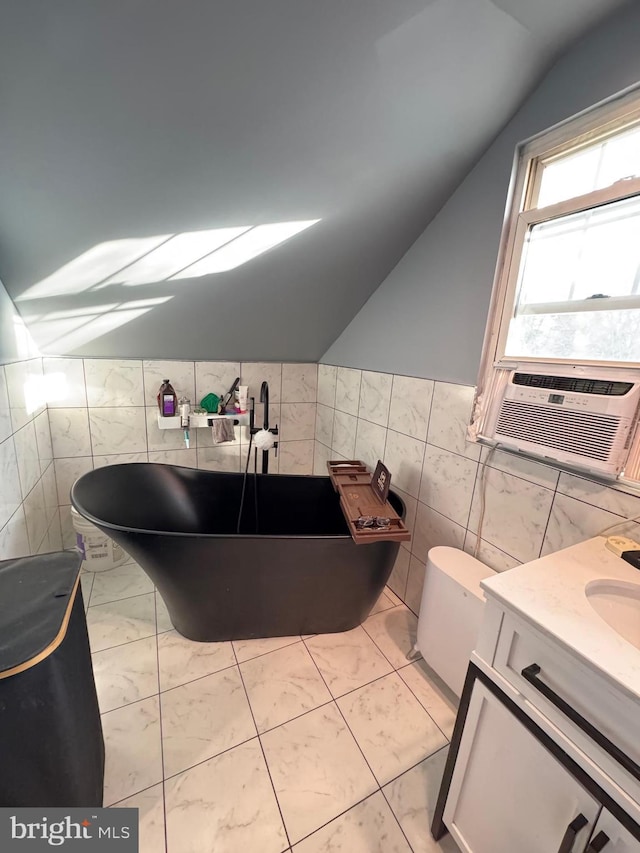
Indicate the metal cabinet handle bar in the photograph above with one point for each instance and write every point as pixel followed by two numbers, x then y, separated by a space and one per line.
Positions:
pixel 578 823
pixel 530 673
pixel 601 840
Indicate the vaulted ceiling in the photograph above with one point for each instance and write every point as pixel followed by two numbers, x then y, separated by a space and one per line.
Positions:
pixel 233 180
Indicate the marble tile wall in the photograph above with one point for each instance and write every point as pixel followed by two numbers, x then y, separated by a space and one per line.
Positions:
pixel 418 428
pixel 29 516
pixel 103 411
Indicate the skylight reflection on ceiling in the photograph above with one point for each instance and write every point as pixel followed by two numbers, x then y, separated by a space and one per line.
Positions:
pixel 173 256
pixel 254 242
pixel 75 328
pixel 150 260
pixel 92 267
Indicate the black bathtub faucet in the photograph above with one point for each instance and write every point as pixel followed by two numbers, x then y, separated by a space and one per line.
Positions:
pixel 264 399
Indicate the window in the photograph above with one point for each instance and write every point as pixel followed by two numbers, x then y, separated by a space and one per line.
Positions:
pixel 578 292
pixel 566 298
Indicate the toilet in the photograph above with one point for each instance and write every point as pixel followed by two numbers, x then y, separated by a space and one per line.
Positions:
pixel 451 612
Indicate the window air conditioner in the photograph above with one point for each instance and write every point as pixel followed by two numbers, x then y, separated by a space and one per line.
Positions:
pixel 585 421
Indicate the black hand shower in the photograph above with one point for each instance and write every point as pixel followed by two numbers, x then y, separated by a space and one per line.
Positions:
pixel 227 397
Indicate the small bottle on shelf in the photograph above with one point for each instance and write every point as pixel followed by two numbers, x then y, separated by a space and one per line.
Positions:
pixel 184 409
pixel 167 400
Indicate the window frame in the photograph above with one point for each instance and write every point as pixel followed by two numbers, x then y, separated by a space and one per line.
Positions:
pixel 535 216
pixel 596 123
pixel 605 119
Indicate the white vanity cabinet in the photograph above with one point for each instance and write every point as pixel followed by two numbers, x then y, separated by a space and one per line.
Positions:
pixel 545 754
pixel 508 793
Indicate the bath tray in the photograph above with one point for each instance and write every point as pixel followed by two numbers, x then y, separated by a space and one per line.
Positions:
pixel 352 480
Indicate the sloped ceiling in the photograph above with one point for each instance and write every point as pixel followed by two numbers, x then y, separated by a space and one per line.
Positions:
pixel 125 125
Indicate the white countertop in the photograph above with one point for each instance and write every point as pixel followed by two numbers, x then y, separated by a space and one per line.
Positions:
pixel 550 594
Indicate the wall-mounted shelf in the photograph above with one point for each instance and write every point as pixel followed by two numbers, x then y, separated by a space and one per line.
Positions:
pixel 196 421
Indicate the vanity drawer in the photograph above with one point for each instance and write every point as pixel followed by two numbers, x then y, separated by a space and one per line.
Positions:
pixel 574 698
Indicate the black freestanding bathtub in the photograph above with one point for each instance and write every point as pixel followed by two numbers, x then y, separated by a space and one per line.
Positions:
pixel 292 568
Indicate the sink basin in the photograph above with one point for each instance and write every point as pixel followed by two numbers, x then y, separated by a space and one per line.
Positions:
pixel 618 603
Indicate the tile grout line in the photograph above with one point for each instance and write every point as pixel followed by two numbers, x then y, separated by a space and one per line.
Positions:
pixel 297 717
pixel 88 601
pixel 377 645
pixel 329 701
pixel 498 548
pixel 546 524
pixel 264 755
pixel 262 654
pixel 391 781
pixel 239 664
pixel 335 702
pixel 164 798
pixel 129 704
pixel 86 409
pixel 141 791
pixel 417 698
pixel 341 814
pixel 380 786
pixel 123 598
pixel 418 763
pixel 128 642
pixel 199 678
pixel 396 818
pixel 593 506
pixel 395 669
pixel 202 761
pixel 479 467
pixel 126 598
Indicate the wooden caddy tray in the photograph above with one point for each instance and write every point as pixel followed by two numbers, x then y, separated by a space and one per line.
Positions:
pixel 352 480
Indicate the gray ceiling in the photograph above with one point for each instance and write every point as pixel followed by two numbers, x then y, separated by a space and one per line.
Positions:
pixel 148 118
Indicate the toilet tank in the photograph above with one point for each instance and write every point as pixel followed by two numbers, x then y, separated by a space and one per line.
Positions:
pixel 451 612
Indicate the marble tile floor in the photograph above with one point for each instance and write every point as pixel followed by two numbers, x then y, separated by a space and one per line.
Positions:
pixel 318 744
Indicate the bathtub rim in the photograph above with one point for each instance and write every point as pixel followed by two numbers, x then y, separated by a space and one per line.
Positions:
pixel 143 530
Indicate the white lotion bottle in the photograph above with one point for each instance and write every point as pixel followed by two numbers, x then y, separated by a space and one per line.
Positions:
pixel 243 397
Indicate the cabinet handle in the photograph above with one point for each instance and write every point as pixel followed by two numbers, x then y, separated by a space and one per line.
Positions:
pixel 601 840
pixel 530 673
pixel 578 823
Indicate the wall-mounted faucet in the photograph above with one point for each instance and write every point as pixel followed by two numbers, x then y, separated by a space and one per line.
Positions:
pixel 264 399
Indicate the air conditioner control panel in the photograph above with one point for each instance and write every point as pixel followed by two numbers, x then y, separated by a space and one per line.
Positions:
pixel 570 400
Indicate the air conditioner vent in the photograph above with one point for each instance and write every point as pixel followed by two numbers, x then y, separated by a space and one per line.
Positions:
pixel 577 384
pixel 583 423
pixel 587 434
